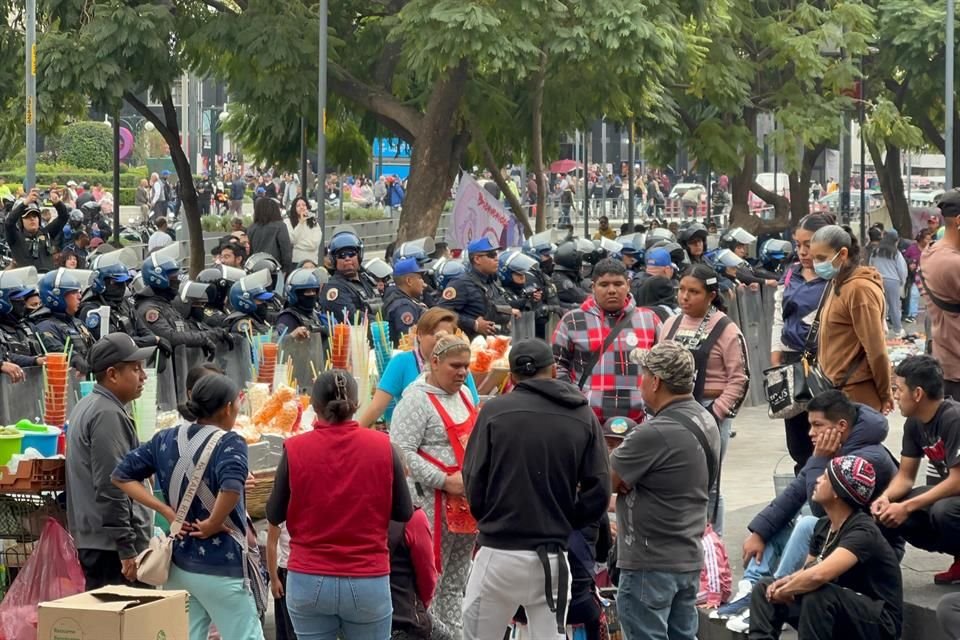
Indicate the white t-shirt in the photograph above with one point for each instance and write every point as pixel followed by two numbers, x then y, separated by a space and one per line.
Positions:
pixel 283 547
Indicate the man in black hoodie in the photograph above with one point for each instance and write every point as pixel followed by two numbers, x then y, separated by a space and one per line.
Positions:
pixel 535 470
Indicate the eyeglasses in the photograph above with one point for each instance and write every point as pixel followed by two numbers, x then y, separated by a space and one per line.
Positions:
pixel 346 254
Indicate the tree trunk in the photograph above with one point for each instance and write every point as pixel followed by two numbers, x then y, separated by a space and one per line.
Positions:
pixel 742 181
pixel 436 156
pixel 891 185
pixel 800 184
pixel 537 140
pixel 169 128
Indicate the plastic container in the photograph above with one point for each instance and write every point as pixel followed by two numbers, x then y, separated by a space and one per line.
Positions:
pixel 45 443
pixel 9 447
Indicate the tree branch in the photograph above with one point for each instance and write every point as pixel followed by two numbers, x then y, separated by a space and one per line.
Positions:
pixel 403 120
pixel 931 131
pixel 148 113
pixel 220 6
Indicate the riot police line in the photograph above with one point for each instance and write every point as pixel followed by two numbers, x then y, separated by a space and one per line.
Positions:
pixel 217 316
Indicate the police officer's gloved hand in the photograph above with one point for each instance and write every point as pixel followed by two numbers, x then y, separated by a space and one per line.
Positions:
pixel 164 346
pixel 224 336
pixel 209 349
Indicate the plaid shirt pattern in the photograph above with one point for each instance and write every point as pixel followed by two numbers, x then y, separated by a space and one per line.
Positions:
pixel 613 389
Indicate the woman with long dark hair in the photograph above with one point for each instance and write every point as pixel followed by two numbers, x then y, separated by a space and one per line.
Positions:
pixel 795 305
pixel 851 322
pixel 305 234
pixel 268 234
pixel 720 354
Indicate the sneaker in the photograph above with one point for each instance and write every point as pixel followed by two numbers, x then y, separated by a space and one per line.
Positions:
pixel 950 576
pixel 741 623
pixel 739 602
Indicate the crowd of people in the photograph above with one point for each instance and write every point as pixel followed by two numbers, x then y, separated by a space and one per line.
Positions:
pixel 600 466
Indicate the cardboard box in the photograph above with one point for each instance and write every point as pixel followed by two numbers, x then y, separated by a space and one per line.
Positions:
pixel 115 613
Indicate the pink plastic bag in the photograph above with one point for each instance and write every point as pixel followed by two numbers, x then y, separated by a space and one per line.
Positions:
pixel 52 572
pixel 716 581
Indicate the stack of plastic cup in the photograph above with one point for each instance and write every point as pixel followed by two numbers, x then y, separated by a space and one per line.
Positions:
pixel 55 390
pixel 145 409
pixel 268 362
pixel 340 346
pixel 382 347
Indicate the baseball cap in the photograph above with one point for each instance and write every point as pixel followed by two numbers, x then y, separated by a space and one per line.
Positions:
pixel 406 266
pixel 673 363
pixel 659 258
pixel 618 427
pixel 32 209
pixel 949 204
pixel 115 348
pixel 529 356
pixel 482 245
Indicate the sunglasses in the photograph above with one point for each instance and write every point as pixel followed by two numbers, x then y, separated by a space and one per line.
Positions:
pixel 346 255
pixel 489 254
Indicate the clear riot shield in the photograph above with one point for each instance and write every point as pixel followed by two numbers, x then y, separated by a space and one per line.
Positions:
pixel 305 359
pixel 752 323
pixel 236 363
pixel 524 327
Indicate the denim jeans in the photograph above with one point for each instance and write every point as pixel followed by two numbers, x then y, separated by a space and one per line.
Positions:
pixel 323 606
pixel 786 550
pixel 658 605
pixel 717 496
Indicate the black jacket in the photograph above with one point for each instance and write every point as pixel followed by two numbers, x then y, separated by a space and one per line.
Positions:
pixel 536 466
pixel 36 250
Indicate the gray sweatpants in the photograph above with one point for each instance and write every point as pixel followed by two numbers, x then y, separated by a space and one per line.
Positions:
pixel 891 293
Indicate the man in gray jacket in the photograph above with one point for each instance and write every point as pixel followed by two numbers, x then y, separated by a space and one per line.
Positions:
pixel 108 528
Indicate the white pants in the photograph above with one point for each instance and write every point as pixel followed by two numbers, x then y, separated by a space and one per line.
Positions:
pixel 500 582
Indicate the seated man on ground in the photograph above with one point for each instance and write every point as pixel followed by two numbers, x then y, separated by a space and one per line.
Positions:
pixel 850 586
pixel 927 517
pixel 838 427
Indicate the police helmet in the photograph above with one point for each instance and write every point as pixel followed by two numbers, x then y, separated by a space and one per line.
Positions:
pixel 192 291
pixel 569 257
pixel 446 270
pixel 514 261
pixel 736 236
pixel 245 293
pixel 419 249
pixel 221 277
pixel 345 240
pixel 55 285
pixel 631 244
pixel 659 234
pixel 775 250
pixel 301 280
pixel 262 260
pixel 691 232
pixel 161 269
pixel 378 269
pixel 113 265
pixel 16 284
pixel 726 258
pixel 540 244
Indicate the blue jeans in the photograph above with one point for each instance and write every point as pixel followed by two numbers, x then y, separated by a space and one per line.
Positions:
pixel 322 606
pixel 657 605
pixel 914 307
pixel 787 550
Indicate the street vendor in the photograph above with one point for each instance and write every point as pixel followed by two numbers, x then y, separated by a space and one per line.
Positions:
pixel 477 295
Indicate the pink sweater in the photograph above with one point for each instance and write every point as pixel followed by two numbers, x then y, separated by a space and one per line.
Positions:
pixel 728 371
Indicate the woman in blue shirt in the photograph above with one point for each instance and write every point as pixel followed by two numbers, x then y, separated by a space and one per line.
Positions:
pixel 209 557
pixel 407 366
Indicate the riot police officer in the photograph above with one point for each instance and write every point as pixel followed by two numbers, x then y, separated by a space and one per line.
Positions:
pixel 266 262
pixel 193 297
pixel 514 273
pixel 57 320
pixel 157 316
pixel 540 248
pixel 220 278
pixel 694 240
pixel 298 318
pixel 249 298
pixel 21 344
pixel 404 305
pixel 346 293
pixel 566 275
pixel 111 275
pixel 477 296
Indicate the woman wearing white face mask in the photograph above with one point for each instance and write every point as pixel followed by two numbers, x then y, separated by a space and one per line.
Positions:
pixel 852 351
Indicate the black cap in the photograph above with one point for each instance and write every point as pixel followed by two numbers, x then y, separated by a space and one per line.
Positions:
pixel 618 427
pixel 115 348
pixel 529 356
pixel 950 204
pixel 32 209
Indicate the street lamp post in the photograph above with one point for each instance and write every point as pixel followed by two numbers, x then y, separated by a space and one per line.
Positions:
pixel 948 98
pixel 30 81
pixel 321 126
pixel 863 160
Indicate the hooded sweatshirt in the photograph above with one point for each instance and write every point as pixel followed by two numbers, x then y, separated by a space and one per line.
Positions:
pixel 613 386
pixel 536 466
pixel 865 440
pixel 852 328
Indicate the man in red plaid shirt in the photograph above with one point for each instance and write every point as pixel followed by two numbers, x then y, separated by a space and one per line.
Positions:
pixel 612 384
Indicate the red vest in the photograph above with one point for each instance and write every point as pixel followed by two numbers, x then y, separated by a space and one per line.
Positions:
pixel 341 496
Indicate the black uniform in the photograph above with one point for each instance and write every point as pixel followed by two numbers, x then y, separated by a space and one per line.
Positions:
pixel 214 318
pixel 36 250
pixel 340 296
pixel 473 296
pixel 244 324
pixel 53 329
pixel 121 314
pixel 569 291
pixel 19 340
pixel 156 316
pixel 402 312
pixel 549 304
pixel 293 318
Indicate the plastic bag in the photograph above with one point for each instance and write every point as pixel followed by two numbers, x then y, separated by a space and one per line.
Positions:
pixel 716 580
pixel 52 572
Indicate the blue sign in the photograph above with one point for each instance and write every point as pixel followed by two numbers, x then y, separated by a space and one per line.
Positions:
pixel 392 148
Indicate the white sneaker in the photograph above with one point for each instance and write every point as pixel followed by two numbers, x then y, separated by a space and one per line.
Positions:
pixel 744 589
pixel 740 623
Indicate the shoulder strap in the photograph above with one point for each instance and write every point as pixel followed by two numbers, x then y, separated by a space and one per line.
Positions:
pixel 786 279
pixel 814 331
pixel 949 307
pixel 713 465
pixel 702 354
pixel 673 330
pixel 195 479
pixel 596 355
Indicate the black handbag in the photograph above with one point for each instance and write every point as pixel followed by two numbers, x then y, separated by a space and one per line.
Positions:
pixel 788 386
